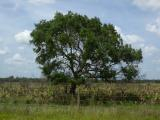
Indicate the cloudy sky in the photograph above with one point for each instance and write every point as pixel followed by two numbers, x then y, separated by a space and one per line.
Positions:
pixel 138 21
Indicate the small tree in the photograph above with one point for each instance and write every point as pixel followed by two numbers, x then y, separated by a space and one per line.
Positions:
pixel 81 46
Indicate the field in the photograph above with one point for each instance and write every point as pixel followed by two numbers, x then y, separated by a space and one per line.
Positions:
pixel 57 112
pixel 96 94
pixel 44 101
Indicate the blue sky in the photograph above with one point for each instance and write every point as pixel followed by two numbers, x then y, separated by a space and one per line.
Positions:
pixel 138 22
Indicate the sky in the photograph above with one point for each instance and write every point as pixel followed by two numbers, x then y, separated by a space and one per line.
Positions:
pixel 138 22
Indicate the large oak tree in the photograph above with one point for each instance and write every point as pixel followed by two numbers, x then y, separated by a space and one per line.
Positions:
pixel 83 47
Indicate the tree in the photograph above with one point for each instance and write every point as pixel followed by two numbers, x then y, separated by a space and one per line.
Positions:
pixel 81 47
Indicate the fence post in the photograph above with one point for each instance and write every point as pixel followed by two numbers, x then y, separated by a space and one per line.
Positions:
pixel 78 99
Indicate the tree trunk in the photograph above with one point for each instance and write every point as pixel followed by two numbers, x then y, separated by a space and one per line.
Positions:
pixel 65 88
pixel 73 88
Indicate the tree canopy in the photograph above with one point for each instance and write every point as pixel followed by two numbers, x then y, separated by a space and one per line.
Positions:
pixel 83 47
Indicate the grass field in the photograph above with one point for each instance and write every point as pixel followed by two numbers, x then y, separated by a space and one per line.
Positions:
pixel 37 101
pixel 57 112
pixel 46 93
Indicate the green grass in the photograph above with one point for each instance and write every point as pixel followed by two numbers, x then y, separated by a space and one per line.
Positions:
pixel 57 112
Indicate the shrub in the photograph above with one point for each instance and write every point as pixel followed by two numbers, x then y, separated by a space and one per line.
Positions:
pixel 59 78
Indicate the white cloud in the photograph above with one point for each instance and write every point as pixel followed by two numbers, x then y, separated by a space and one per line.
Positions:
pixel 21 48
pixel 150 50
pixel 4 51
pixel 132 38
pixel 157 61
pixel 23 37
pixel 39 2
pixel 154 27
pixel 16 59
pixel 119 30
pixel 147 4
pixel 129 38
pixel 138 42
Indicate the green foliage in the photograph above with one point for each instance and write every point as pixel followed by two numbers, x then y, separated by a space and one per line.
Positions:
pixel 57 78
pixel 130 72
pixel 81 46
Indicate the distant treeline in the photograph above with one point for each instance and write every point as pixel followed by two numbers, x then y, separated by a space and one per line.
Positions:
pixel 21 79
pixel 27 79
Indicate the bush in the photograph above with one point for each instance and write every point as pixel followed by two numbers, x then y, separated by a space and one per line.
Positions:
pixel 60 78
